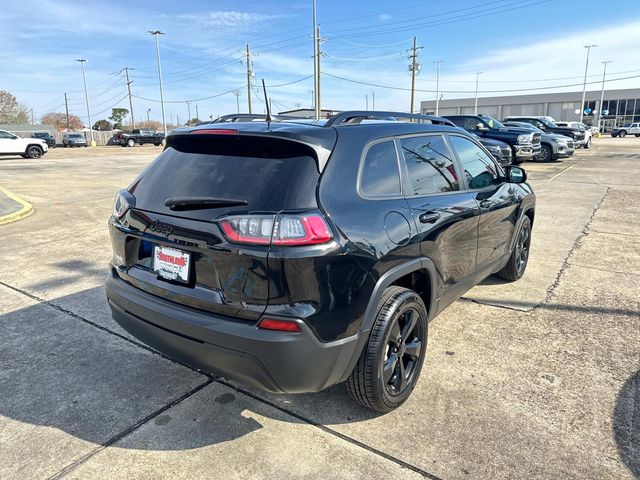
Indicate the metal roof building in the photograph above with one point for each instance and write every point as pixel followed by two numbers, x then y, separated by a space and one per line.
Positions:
pixel 622 106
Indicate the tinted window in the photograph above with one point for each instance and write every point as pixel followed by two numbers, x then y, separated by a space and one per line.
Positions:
pixel 269 174
pixel 380 175
pixel 479 169
pixel 429 164
pixel 5 135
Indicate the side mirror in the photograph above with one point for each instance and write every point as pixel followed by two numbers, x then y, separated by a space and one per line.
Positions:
pixel 481 127
pixel 515 174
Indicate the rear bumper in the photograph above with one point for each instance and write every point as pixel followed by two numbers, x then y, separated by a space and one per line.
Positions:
pixel 278 362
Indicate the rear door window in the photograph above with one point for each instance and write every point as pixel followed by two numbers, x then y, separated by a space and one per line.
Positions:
pixel 430 166
pixel 380 174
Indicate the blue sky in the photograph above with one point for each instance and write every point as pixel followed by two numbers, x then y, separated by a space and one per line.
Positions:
pixel 517 44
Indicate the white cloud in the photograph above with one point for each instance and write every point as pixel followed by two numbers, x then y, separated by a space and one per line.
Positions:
pixel 384 17
pixel 227 19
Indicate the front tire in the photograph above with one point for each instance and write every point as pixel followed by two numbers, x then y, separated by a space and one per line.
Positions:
pixel 517 264
pixel 622 134
pixel 131 142
pixel 546 154
pixel 34 152
pixel 391 361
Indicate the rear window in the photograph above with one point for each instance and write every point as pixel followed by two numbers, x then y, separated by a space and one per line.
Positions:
pixel 269 174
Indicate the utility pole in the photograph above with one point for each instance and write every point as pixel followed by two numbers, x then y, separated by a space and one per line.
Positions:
pixel 313 99
pixel 373 100
pixel 237 94
pixel 318 102
pixel 66 108
pixel 249 75
pixel 188 112
pixel 133 121
pixel 33 122
pixel 157 33
pixel 366 99
pixel 316 73
pixel 584 84
pixel 414 69
pixel 475 107
pixel 197 114
pixel 148 119
pixel 438 62
pixel 86 97
pixel 604 75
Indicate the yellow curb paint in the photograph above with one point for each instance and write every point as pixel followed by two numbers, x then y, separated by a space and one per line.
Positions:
pixel 25 211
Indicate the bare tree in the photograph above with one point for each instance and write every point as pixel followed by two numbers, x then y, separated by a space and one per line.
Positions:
pixel 59 120
pixel 11 111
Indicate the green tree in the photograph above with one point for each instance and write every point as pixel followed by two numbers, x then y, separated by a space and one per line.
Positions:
pixel 117 115
pixel 11 111
pixel 102 125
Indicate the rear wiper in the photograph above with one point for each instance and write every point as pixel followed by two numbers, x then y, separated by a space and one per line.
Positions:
pixel 201 203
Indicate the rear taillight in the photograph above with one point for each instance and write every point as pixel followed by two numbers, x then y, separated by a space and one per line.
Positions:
pixel 279 325
pixel 285 230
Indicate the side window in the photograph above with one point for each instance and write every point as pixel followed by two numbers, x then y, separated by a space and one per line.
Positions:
pixel 479 169
pixel 5 135
pixel 380 174
pixel 470 123
pixel 430 166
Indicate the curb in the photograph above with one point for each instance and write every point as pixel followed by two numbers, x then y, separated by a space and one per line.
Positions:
pixel 25 211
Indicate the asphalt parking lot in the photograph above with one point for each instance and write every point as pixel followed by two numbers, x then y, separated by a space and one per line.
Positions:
pixel 536 379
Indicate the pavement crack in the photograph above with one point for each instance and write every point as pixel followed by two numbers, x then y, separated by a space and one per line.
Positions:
pixel 489 304
pixel 330 431
pixel 128 431
pixel 576 244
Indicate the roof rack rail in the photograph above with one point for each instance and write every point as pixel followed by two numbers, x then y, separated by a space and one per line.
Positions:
pixel 357 116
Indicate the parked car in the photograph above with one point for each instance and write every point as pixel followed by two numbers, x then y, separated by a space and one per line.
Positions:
pixel 547 125
pixel 139 137
pixel 501 151
pixel 631 129
pixel 47 137
pixel 73 140
pixel 293 257
pixel 11 144
pixel 524 144
pixel 553 146
pixel 588 134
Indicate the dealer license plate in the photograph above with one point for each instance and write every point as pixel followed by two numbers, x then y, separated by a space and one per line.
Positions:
pixel 171 263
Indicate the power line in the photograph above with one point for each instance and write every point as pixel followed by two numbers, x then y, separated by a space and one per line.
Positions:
pixel 190 100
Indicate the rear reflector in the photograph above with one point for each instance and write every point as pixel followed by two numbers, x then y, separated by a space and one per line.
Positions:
pixel 279 325
pixel 216 131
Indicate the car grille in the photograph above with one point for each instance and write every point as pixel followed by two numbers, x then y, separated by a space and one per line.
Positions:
pixel 536 139
pixel 506 152
pixel 570 144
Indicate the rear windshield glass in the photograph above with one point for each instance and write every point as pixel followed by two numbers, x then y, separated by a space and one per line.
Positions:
pixel 269 174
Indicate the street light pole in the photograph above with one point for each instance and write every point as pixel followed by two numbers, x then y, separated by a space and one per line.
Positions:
pixel 604 75
pixel 148 120
pixel 237 94
pixel 373 100
pixel 438 62
pixel 316 80
pixel 86 97
pixel 475 106
pixel 157 33
pixel 584 84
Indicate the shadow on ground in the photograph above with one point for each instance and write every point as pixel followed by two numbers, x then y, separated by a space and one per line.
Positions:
pixel 626 423
pixel 59 371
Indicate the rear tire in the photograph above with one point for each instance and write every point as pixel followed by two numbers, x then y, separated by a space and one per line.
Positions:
pixel 35 152
pixel 391 361
pixel 517 264
pixel 622 134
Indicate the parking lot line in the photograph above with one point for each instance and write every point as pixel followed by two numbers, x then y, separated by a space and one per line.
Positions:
pixel 563 171
pixel 25 211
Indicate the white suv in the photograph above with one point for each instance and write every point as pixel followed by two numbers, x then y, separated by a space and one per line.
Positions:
pixel 633 129
pixel 11 144
pixel 588 133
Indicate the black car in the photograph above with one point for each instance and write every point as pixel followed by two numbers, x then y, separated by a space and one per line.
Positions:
pixel 46 136
pixel 501 151
pixel 293 257
pixel 548 126
pixel 525 145
pixel 139 137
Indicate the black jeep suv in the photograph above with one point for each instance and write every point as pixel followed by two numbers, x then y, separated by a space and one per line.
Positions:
pixel 293 256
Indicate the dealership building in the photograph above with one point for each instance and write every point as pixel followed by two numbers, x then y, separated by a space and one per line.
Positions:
pixel 621 106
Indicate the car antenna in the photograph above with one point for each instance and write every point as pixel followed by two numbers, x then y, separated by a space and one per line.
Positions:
pixel 266 102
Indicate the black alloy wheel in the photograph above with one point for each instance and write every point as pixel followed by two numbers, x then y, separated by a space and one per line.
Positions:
pixel 34 152
pixel 390 363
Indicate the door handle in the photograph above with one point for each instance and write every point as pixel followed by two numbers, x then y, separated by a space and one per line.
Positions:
pixel 485 203
pixel 429 217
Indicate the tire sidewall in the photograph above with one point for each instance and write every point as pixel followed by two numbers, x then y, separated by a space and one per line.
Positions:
pixel 34 149
pixel 402 301
pixel 131 143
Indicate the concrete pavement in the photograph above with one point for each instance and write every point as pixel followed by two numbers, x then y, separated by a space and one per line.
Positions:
pixel 536 379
